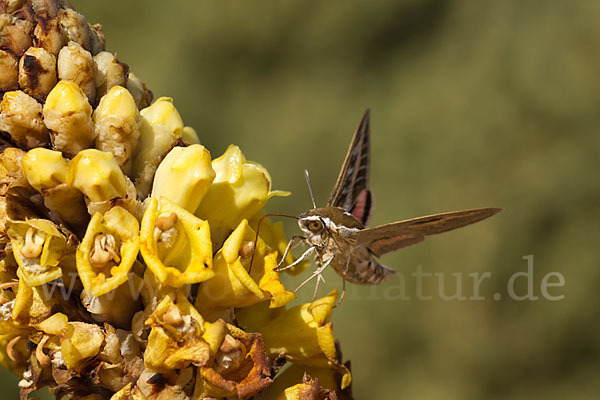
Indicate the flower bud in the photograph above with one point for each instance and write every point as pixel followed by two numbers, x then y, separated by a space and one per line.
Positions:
pixel 139 91
pixel 44 168
pixel 190 136
pixel 97 175
pixel 15 34
pixel 21 117
pixel 37 72
pixel 184 176
pixel 47 171
pixel 68 115
pixel 9 71
pixel 48 36
pixel 75 28
pixel 75 64
pixel 161 127
pixel 110 72
pixel 117 125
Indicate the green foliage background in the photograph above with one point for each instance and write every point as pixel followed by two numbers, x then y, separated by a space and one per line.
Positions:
pixel 474 104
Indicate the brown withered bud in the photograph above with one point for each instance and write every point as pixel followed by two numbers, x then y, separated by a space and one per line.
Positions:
pixel 109 73
pixel 50 7
pixel 76 64
pixel 12 5
pixel 98 40
pixel 11 172
pixel 37 72
pixel 9 71
pixel 47 34
pixel 15 34
pixel 141 94
pixel 75 28
pixel 21 117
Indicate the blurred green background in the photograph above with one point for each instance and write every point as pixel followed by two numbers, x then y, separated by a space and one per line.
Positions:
pixel 473 104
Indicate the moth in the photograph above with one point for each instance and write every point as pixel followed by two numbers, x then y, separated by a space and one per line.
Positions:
pixel 338 235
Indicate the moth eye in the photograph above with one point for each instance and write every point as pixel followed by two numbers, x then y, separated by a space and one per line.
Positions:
pixel 315 226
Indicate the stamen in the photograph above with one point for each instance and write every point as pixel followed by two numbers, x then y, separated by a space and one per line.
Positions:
pixel 166 221
pixel 173 317
pixel 42 358
pixel 104 250
pixel 246 249
pixel 231 354
pixel 34 243
pixel 12 353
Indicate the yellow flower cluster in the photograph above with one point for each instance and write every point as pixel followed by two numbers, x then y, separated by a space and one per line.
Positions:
pixel 130 264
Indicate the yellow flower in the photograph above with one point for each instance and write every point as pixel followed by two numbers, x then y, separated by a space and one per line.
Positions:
pixel 175 244
pixel 97 175
pixel 240 190
pixel 184 176
pixel 44 168
pixel 108 250
pixel 303 333
pixel 235 284
pixel 175 340
pixel 80 342
pixel 35 304
pixel 37 246
pixel 46 171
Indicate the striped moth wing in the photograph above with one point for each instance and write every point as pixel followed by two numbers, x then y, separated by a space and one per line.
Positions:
pixel 396 235
pixel 351 191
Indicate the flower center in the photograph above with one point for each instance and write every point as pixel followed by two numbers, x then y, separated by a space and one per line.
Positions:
pixel 34 242
pixel 104 250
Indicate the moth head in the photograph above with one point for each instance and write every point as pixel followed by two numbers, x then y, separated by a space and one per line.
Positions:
pixel 315 229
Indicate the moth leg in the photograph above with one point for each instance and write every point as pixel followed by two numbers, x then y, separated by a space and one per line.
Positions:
pixel 337 303
pixel 319 279
pixel 290 246
pixel 316 273
pixel 304 255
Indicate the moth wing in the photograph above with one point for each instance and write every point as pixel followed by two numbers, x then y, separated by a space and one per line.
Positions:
pixel 351 191
pixel 390 237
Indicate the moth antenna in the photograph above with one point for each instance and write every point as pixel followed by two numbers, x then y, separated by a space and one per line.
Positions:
pixel 312 196
pixel 258 230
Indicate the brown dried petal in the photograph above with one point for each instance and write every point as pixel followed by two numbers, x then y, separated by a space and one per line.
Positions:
pixel 49 7
pixel 251 377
